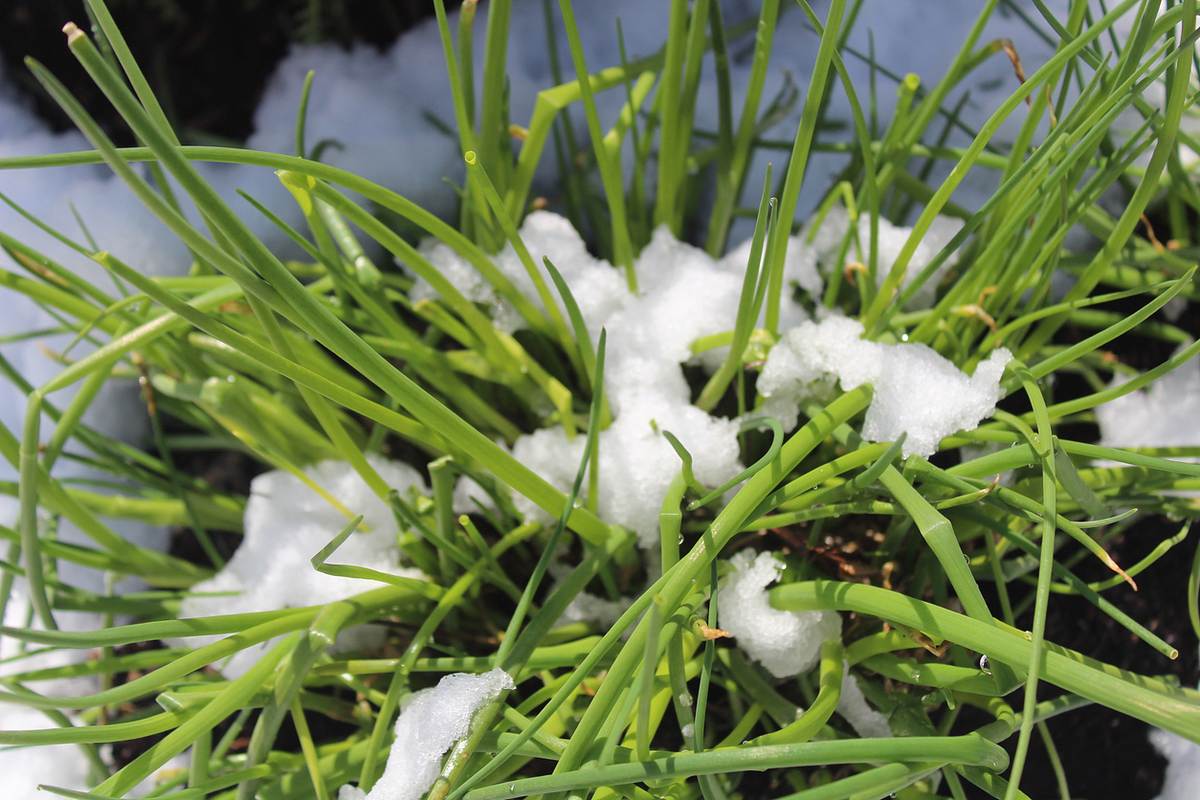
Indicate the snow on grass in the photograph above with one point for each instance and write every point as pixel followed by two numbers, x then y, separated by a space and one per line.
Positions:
pixel 369 113
pixel 175 767
pixel 366 108
pixel 684 294
pixel 585 607
pixel 366 105
pixel 286 524
pixel 1165 414
pixel 430 723
pixel 917 392
pixel 637 463
pixel 785 642
pixel 799 264
pixel 854 708
pixel 17 656
pixel 114 220
pixel 22 769
pixel 1182 778
pixel 594 610
pixel 827 242
pixel 598 288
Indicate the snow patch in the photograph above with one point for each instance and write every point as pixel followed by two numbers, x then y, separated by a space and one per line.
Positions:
pixel 917 391
pixel 1182 779
pixel 286 524
pixel 429 724
pixel 593 609
pixel 1164 414
pixel 853 707
pixel 828 238
pixel 683 294
pixel 22 769
pixel 785 642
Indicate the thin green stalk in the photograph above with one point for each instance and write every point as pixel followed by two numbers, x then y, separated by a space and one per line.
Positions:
pixel 1151 700
pixel 798 162
pixel 969 749
pixel 809 724
pixel 730 186
pixel 1043 445
pixel 608 164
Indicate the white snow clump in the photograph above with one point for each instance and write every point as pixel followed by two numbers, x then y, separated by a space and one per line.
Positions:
pixel 827 242
pixel 683 294
pixel 429 724
pixel 1164 414
pixel 593 609
pixel 786 643
pixel 917 391
pixel 1182 779
pixel 853 707
pixel 286 524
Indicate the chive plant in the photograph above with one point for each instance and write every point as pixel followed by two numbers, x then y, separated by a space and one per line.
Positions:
pixel 288 361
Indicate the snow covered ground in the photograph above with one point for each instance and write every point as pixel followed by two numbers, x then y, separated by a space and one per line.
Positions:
pixel 376 106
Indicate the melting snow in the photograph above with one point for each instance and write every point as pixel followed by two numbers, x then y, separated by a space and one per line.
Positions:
pixel 429 724
pixel 1164 414
pixel 286 524
pixel 785 642
pixel 917 391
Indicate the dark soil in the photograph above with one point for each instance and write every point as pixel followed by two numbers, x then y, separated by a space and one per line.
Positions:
pixel 1106 754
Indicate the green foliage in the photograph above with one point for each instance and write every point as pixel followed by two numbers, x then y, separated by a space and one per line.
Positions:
pixel 329 357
